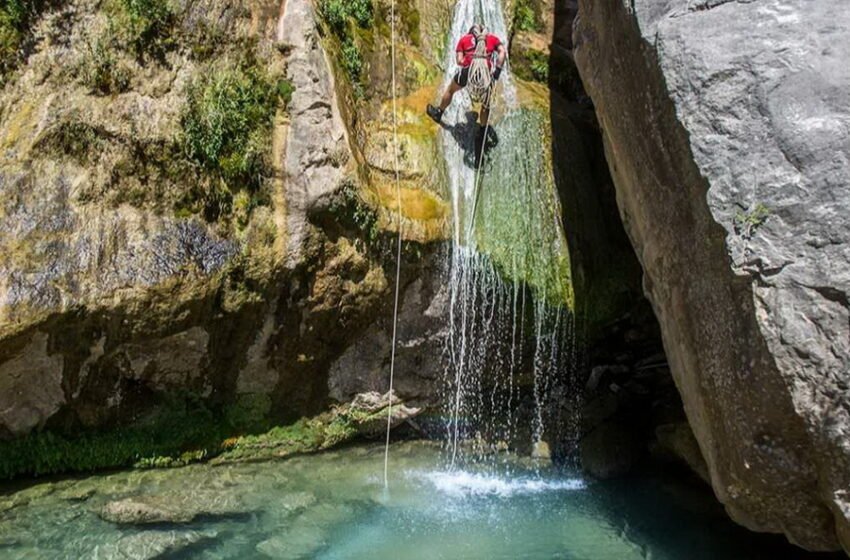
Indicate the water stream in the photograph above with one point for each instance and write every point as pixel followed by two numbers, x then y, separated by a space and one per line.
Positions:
pixel 508 273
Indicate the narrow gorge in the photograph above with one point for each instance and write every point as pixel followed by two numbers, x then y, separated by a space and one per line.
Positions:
pixel 622 325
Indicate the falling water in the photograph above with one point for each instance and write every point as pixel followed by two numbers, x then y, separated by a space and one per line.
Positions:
pixel 508 273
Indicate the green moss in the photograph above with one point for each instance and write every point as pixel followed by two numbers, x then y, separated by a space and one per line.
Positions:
pixel 518 219
pixel 410 20
pixel 305 436
pixel 184 425
pixel 184 431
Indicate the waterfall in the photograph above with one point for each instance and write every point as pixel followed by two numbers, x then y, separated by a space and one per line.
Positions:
pixel 508 276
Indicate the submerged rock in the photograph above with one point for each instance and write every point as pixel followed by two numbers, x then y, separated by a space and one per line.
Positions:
pixel 171 508
pixel 149 545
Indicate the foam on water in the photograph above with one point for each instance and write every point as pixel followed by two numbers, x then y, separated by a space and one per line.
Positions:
pixel 463 484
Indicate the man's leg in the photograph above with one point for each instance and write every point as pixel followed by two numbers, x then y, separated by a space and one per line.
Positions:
pixel 485 110
pixel 448 95
pixel 485 115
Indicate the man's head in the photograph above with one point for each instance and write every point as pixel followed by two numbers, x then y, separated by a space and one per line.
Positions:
pixel 477 30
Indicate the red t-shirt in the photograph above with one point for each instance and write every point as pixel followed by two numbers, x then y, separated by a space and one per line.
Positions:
pixel 466 45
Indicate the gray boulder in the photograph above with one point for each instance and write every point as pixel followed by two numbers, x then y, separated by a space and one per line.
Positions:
pixel 727 130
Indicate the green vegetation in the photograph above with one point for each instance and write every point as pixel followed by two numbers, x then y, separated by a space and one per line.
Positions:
pixel 539 65
pixel 341 17
pixel 185 425
pixel 102 71
pixel 532 65
pixel 353 213
pixel 525 16
pixel 15 19
pixel 146 26
pixel 205 41
pixel 352 60
pixel 746 223
pixel 74 138
pixel 227 126
pixel 185 431
pixel 522 232
pixel 333 428
pixel 338 13
pixel 410 20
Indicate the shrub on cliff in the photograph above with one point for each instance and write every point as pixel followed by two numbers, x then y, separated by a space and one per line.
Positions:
pixel 340 15
pixel 227 128
pixel 15 19
pixel 144 25
pixel 337 14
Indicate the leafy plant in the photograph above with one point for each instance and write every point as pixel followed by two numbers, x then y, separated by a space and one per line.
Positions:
pixel 285 89
pixel 350 210
pixel 352 60
pixel 227 123
pixel 525 18
pixel 145 25
pixel 102 71
pixel 337 14
pixel 15 19
pixel 532 65
pixel 746 223
pixel 538 63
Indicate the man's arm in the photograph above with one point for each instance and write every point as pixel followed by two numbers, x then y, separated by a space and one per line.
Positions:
pixel 501 55
pixel 459 57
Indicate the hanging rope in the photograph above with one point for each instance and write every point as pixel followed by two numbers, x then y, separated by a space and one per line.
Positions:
pixel 398 251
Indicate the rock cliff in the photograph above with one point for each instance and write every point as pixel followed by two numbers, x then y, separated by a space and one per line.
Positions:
pixel 727 130
pixel 183 217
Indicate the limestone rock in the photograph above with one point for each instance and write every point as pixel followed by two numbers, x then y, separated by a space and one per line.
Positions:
pixel 316 143
pixel 174 508
pixel 375 407
pixel 726 129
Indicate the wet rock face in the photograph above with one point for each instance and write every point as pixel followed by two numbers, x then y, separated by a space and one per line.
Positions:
pixel 725 127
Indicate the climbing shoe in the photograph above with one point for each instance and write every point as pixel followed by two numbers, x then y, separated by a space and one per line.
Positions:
pixel 435 113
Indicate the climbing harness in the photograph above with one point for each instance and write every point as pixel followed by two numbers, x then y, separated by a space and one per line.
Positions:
pixel 398 251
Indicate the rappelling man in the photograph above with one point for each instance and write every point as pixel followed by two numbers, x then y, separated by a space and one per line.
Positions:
pixel 474 52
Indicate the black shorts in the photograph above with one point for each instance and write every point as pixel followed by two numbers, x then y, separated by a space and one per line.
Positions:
pixel 462 77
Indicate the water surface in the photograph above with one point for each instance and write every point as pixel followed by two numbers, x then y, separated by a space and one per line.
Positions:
pixel 333 506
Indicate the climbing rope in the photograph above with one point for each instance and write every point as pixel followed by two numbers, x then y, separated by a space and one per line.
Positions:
pixel 398 251
pixel 480 80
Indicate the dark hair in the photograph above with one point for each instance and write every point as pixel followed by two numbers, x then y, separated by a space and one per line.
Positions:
pixel 475 27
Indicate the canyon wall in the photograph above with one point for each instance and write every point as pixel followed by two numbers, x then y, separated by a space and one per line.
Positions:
pixel 727 131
